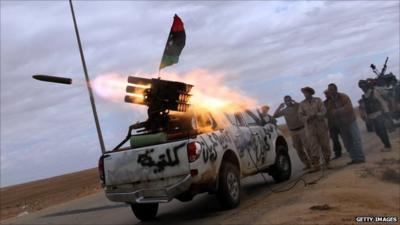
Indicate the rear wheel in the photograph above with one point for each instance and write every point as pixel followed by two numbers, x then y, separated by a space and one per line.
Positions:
pixel 228 192
pixel 146 211
pixel 282 169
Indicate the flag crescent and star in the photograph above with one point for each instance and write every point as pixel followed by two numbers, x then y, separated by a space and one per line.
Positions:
pixel 175 43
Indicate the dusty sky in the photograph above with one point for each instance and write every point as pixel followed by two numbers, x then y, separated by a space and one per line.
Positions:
pixel 263 49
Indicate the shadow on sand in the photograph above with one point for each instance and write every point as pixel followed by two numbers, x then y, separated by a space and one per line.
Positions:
pixel 87 210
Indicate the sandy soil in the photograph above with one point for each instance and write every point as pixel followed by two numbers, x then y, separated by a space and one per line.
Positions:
pixel 33 196
pixel 344 192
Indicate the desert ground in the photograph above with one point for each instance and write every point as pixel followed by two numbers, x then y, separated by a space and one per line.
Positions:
pixel 33 196
pixel 334 196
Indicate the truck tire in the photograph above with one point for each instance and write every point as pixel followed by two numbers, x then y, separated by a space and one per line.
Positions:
pixel 145 211
pixel 228 192
pixel 282 169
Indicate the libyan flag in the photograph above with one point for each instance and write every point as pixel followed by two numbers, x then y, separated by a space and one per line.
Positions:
pixel 175 43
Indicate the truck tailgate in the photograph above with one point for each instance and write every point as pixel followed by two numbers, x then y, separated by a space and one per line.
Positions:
pixel 146 164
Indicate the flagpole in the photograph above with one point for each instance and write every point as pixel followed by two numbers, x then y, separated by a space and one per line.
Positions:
pixel 93 104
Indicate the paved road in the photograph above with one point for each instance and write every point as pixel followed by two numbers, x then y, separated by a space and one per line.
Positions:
pixel 204 209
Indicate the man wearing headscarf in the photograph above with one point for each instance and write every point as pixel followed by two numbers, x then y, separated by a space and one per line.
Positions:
pixel 312 112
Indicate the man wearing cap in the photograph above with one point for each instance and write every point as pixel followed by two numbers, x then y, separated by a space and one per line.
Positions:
pixel 340 108
pixel 296 127
pixel 312 112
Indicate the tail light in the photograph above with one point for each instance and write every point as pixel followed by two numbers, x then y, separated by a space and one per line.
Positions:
pixel 193 151
pixel 194 172
pixel 101 169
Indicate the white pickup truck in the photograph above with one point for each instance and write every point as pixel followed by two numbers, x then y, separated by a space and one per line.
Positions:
pixel 200 151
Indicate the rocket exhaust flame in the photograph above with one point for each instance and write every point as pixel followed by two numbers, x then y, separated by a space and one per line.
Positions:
pixel 110 87
pixel 139 86
pixel 210 90
pixel 135 98
pixel 137 92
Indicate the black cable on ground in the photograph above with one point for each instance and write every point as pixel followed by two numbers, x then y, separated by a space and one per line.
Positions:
pixel 295 183
pixel 322 175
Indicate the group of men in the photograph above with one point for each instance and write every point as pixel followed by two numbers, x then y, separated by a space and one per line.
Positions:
pixel 312 122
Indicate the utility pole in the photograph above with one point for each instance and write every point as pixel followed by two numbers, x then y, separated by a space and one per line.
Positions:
pixel 96 119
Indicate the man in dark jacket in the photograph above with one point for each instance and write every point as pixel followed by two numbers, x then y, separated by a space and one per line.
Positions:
pixel 334 130
pixel 376 108
pixel 340 108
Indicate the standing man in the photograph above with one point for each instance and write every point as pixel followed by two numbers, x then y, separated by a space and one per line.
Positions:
pixel 376 108
pixel 312 112
pixel 333 128
pixel 364 116
pixel 341 110
pixel 296 127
